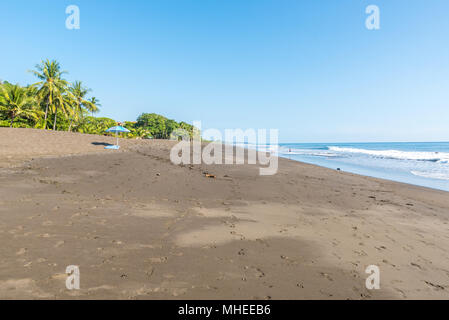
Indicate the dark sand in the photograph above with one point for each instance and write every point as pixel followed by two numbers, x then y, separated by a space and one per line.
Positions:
pixel 140 227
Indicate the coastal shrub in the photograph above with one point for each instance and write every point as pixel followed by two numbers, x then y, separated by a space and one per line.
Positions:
pixel 61 120
pixel 160 127
pixel 93 125
pixel 154 123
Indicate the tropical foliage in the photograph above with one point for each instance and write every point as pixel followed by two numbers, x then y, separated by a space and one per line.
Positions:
pixel 52 88
pixel 159 126
pixel 55 103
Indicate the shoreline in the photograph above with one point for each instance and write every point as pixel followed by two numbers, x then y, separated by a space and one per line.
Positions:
pixel 132 143
pixel 372 177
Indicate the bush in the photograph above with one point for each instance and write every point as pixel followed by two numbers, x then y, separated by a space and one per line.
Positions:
pixel 160 127
pixel 92 125
pixel 154 123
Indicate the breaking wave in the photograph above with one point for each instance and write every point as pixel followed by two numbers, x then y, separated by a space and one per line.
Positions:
pixel 440 157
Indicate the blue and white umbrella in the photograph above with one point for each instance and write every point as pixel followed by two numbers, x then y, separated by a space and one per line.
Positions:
pixel 116 130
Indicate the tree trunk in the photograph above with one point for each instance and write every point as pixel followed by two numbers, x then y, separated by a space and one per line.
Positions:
pixel 70 126
pixel 46 114
pixel 54 123
pixel 12 121
pixel 80 111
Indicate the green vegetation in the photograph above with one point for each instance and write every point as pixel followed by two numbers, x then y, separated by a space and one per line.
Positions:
pixel 18 103
pixel 159 126
pixel 53 103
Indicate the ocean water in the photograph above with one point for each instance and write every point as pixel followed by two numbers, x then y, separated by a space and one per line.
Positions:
pixel 421 163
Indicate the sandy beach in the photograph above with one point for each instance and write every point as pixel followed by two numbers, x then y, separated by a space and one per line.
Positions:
pixel 140 227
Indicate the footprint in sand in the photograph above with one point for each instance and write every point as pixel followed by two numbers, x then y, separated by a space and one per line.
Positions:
pixel 327 276
pixel 59 243
pixel 360 253
pixel 178 254
pixel 45 235
pixel 335 242
pixel 389 263
pixel 21 251
pixel 258 272
pixel 435 286
pixel 149 272
pixel 178 292
pixel 36 216
pixel 416 265
pixel 261 241
pixel 401 292
pixel 158 260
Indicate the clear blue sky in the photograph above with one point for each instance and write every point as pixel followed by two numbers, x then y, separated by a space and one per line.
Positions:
pixel 309 68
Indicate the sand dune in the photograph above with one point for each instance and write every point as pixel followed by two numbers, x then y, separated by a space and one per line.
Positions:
pixel 140 227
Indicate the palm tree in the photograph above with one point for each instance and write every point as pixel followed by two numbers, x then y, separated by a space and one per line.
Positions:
pixel 78 94
pixel 63 104
pixel 140 133
pixel 70 107
pixel 51 86
pixel 95 104
pixel 17 101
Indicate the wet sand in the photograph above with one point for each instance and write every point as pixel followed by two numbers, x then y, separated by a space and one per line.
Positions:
pixel 140 227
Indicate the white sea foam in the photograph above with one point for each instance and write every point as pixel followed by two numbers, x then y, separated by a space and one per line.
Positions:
pixel 433 175
pixel 260 147
pixel 441 157
pixel 310 153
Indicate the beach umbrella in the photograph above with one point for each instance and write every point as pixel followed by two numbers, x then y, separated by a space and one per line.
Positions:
pixel 116 130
